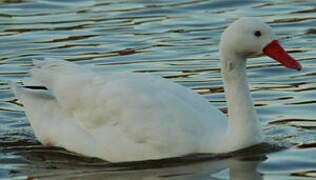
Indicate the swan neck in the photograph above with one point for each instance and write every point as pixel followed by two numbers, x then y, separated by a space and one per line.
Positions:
pixel 243 126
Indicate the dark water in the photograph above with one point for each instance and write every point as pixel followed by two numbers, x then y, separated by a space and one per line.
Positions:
pixel 176 40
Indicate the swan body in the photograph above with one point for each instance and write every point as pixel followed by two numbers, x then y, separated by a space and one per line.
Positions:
pixel 132 117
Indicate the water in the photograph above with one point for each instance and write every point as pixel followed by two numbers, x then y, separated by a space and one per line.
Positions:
pixel 177 40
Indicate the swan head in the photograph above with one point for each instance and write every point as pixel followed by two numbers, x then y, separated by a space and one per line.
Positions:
pixel 247 37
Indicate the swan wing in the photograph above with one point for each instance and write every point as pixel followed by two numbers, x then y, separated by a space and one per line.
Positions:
pixel 125 116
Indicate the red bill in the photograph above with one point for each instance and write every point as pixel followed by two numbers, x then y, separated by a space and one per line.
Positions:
pixel 275 51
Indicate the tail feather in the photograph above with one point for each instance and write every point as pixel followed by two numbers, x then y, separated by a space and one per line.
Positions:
pixel 16 90
pixel 31 82
pixel 36 62
pixel 23 94
pixel 48 71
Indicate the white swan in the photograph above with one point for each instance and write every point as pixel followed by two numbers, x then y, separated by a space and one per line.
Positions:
pixel 132 117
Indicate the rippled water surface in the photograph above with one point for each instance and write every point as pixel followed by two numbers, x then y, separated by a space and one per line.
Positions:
pixel 177 40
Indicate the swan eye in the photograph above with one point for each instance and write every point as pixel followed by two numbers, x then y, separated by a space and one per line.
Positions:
pixel 258 33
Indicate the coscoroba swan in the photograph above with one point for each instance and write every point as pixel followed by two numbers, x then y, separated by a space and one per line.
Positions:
pixel 131 117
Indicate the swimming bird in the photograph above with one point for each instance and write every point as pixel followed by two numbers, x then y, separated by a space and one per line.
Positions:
pixel 132 117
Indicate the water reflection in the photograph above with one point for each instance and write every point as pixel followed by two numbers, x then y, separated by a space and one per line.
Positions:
pixel 57 163
pixel 215 170
pixel 191 167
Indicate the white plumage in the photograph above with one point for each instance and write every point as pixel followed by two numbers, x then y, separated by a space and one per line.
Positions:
pixel 131 117
pixel 117 117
